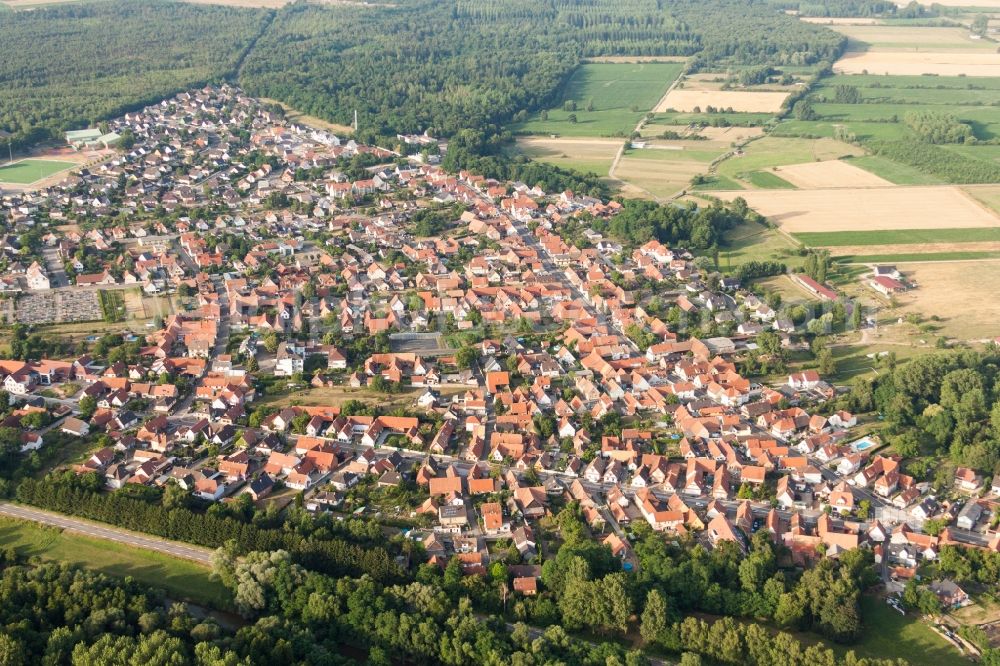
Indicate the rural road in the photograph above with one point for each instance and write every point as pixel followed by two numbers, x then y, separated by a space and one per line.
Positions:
pixel 107 532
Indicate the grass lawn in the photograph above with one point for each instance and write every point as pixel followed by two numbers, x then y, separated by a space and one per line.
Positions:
pixel 28 171
pixel 619 94
pixel 768 181
pixel 889 634
pixel 181 578
pixel 898 236
pixel 894 172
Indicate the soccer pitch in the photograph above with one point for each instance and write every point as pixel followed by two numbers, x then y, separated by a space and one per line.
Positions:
pixel 24 172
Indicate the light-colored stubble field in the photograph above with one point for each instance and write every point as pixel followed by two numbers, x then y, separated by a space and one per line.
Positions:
pixel 868 209
pixel 829 174
pixel 956 291
pixel 684 100
pixel 919 63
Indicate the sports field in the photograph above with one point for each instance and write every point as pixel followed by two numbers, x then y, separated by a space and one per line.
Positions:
pixel 617 94
pixel 858 209
pixel 27 171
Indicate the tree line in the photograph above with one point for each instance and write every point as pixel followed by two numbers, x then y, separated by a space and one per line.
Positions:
pixel 321 550
pixel 70 66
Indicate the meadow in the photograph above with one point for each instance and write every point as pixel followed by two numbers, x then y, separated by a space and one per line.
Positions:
pixel 620 94
pixel 582 154
pixel 755 242
pixel 182 579
pixel 768 152
pixel 954 291
pixel 27 171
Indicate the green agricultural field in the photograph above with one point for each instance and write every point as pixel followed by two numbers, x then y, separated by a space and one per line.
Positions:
pixel 898 237
pixel 768 181
pixel 914 256
pixel 716 182
pixel 28 171
pixel 619 93
pixel 738 119
pixel 665 155
pixel 894 172
pixel 768 152
pixel 180 578
pixel 755 242
pixel 984 153
pixel 827 128
pixel 985 120
pixel 988 196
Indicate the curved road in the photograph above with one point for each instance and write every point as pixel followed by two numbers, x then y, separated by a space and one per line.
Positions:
pixel 107 532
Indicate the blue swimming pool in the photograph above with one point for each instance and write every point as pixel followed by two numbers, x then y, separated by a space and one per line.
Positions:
pixel 862 444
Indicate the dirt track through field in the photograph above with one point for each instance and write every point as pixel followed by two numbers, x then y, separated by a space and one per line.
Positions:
pixel 868 209
pixel 829 174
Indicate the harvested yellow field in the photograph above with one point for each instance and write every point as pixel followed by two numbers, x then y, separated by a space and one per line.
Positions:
pixel 957 292
pixel 868 209
pixel 917 63
pixel 581 154
pixel 831 173
pixel 913 38
pixel 662 178
pixel 750 102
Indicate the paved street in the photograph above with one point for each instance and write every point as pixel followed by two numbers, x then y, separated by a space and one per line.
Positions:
pixel 175 548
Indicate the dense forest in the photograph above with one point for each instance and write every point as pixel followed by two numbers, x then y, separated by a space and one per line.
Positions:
pixel 942 404
pixel 55 614
pixel 411 66
pixel 75 64
pixel 474 64
pixel 322 547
